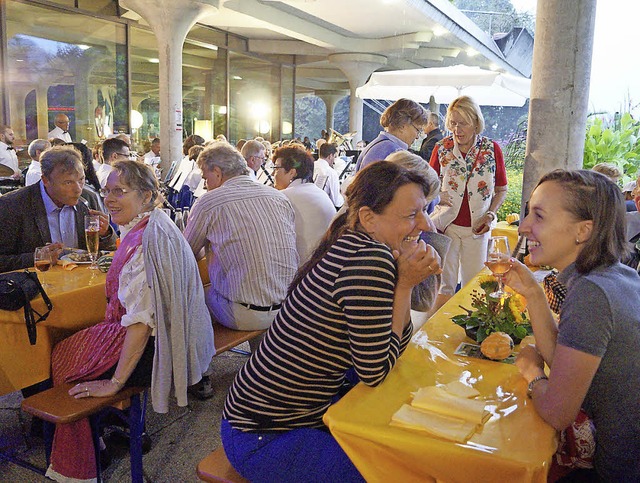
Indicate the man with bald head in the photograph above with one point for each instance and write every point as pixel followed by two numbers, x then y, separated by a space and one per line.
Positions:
pixel 8 156
pixel 61 131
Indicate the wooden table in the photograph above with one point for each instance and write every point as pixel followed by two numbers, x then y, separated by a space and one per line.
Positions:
pixel 79 301
pixel 514 445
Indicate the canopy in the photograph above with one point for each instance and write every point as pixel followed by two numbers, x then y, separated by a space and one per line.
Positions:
pixel 486 87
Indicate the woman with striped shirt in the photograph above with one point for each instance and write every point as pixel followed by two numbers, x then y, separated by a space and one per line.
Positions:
pixel 347 310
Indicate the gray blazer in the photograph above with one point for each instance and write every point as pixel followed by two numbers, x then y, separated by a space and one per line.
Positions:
pixel 24 226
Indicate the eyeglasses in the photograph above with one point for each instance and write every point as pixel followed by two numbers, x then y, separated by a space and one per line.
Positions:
pixel 461 124
pixel 117 192
pixel 261 158
pixel 278 167
pixel 419 129
pixel 126 155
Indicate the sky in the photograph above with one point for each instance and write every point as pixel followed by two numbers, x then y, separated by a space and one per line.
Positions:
pixel 615 64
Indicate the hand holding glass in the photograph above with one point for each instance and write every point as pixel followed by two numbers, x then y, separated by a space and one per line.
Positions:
pixel 498 262
pixel 92 236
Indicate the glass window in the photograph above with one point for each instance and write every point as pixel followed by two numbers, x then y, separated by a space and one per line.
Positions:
pixel 254 98
pixel 287 102
pixel 64 63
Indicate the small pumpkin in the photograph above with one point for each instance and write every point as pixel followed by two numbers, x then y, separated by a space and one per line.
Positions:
pixel 497 346
pixel 511 217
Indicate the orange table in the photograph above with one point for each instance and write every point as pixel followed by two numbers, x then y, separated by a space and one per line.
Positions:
pixel 514 445
pixel 79 301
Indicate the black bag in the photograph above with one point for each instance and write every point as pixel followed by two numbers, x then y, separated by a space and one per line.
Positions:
pixel 17 289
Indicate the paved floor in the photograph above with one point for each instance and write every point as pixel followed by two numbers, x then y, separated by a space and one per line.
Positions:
pixel 181 438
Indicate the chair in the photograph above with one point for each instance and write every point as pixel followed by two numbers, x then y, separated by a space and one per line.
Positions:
pixel 56 406
pixel 216 468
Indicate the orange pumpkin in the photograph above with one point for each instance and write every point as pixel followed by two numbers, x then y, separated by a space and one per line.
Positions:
pixel 497 346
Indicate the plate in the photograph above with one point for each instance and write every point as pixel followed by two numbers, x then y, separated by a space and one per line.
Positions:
pixel 77 258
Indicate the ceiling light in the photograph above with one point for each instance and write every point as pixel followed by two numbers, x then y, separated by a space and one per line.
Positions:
pixel 84 46
pixel 471 52
pixel 439 31
pixel 154 60
pixel 236 77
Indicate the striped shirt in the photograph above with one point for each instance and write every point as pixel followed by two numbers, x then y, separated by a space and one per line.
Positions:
pixel 337 318
pixel 248 230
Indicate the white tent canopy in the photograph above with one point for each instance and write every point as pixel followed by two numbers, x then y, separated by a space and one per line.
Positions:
pixel 486 87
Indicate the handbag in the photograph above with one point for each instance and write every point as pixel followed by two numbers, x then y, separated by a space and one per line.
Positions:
pixel 17 289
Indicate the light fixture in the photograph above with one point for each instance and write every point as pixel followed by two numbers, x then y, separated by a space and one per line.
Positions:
pixel 259 110
pixel 19 60
pixel 203 128
pixel 494 66
pixel 263 127
pixel 287 127
pixel 471 52
pixel 222 110
pixel 84 46
pixel 153 60
pixel 236 77
pixel 136 119
pixel 439 31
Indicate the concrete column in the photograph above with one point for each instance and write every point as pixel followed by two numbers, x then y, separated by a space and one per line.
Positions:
pixel 559 88
pixel 330 99
pixel 170 22
pixel 42 110
pixel 357 68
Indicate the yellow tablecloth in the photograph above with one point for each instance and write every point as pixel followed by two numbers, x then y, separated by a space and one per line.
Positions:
pixel 505 229
pixel 79 301
pixel 514 445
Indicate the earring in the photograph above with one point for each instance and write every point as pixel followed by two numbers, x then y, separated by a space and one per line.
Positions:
pixel 577 242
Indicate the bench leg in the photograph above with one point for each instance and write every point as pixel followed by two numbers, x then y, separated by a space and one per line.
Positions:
pixel 48 430
pixel 136 427
pixel 95 433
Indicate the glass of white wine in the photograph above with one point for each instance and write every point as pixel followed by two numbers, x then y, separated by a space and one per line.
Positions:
pixel 92 236
pixel 498 262
pixel 42 262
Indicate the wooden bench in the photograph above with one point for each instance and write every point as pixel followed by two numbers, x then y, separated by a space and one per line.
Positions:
pixel 226 339
pixel 56 406
pixel 216 468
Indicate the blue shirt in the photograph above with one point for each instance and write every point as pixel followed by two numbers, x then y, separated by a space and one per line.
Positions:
pixel 379 149
pixel 62 221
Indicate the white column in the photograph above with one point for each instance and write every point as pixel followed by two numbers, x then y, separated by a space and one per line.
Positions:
pixel 357 68
pixel 330 99
pixel 170 21
pixel 559 88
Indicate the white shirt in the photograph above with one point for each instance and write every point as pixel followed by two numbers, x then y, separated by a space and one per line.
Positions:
pixel 326 178
pixel 151 159
pixel 314 212
pixel 34 173
pixel 58 133
pixel 8 157
pixel 102 172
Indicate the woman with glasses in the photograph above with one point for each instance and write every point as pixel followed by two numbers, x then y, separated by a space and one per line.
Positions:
pixel 157 329
pixel 473 187
pixel 346 317
pixel 293 173
pixel 403 122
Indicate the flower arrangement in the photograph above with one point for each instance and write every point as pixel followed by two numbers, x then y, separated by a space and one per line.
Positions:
pixel 494 315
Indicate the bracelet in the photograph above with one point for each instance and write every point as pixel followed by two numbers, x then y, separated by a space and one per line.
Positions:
pixel 492 215
pixel 116 381
pixel 533 383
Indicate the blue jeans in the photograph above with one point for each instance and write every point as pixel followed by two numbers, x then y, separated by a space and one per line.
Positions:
pixel 297 455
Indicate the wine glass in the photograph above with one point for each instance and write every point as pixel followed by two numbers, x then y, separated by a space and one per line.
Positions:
pixel 498 262
pixel 92 236
pixel 42 261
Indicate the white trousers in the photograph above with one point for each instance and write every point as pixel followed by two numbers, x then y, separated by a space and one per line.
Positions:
pixel 236 316
pixel 465 258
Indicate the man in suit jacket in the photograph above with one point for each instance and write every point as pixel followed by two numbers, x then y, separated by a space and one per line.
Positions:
pixel 432 130
pixel 49 211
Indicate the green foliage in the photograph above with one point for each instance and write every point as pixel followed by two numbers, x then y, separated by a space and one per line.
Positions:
pixel 618 144
pixel 514 194
pixel 494 315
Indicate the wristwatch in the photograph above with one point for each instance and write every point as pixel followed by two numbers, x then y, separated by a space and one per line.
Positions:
pixel 491 214
pixel 533 383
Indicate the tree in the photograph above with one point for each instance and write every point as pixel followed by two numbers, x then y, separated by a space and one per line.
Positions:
pixel 494 16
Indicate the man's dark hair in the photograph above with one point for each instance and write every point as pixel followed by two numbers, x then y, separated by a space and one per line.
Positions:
pixel 113 145
pixel 327 149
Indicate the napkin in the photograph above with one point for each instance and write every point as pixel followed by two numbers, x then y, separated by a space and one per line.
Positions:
pixel 460 389
pixel 67 264
pixel 438 400
pixel 445 427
